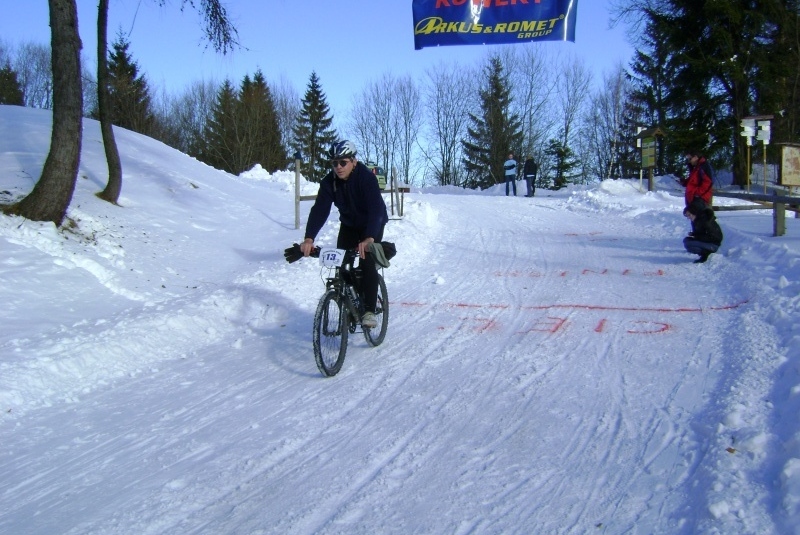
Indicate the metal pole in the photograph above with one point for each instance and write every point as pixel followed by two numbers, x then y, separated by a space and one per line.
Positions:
pixel 296 193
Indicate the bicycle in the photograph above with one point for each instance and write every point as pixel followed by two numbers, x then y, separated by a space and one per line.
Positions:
pixel 340 310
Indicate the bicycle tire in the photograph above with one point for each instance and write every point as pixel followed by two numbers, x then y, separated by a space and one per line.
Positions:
pixel 376 335
pixel 331 328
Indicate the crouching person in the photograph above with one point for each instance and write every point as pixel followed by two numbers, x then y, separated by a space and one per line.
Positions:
pixel 706 235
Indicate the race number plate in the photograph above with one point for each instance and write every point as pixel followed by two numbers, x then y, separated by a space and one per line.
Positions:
pixel 331 258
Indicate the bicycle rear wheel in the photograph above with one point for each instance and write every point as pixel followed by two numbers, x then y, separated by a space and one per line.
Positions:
pixel 376 335
pixel 331 324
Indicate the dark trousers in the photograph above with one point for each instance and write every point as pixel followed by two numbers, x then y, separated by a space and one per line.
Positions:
pixel 349 238
pixel 530 182
pixel 511 179
pixel 699 247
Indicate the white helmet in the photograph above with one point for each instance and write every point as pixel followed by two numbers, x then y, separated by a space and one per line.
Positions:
pixel 342 149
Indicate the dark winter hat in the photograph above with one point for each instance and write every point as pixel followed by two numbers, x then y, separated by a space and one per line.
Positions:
pixel 697 206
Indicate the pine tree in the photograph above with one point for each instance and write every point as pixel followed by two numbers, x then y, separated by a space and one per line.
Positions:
pixel 10 90
pixel 312 130
pixel 778 78
pixel 722 47
pixel 220 132
pixel 494 133
pixel 564 163
pixel 271 154
pixel 258 138
pixel 653 71
pixel 131 104
pixel 243 128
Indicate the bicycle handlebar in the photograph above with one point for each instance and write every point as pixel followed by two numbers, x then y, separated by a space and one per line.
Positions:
pixel 293 253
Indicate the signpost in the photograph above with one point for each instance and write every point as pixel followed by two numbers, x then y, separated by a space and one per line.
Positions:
pixel 757 126
pixel 646 140
pixel 790 165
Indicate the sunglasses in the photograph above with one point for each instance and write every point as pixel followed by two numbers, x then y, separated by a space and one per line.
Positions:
pixel 339 163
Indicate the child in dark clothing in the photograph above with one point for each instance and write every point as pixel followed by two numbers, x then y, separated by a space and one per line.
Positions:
pixel 706 235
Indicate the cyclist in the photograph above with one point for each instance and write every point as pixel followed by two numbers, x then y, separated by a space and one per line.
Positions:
pixel 352 187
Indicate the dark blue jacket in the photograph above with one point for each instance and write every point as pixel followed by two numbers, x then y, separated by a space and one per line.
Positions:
pixel 705 227
pixel 358 200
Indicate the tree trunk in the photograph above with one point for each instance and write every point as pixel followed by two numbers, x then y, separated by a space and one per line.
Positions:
pixel 114 185
pixel 51 196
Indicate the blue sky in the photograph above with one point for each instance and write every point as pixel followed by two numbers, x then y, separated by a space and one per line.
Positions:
pixel 348 44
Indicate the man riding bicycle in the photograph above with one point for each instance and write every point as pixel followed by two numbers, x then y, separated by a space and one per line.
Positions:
pixel 353 188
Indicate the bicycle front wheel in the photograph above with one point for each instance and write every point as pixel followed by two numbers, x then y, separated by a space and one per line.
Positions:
pixel 330 333
pixel 376 335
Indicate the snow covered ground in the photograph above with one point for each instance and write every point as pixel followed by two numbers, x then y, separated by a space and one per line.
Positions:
pixel 553 365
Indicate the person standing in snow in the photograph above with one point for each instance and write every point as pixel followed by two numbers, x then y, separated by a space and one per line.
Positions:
pixel 529 170
pixel 699 182
pixel 352 187
pixel 510 167
pixel 706 235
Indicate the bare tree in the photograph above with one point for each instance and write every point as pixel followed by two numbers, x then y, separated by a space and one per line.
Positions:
pixel 52 194
pixel 450 95
pixel 287 107
pixel 371 122
pixel 603 126
pixel 5 54
pixel 182 118
pixel 534 87
pixel 360 127
pixel 573 90
pixel 34 66
pixel 89 88
pixel 383 106
pixel 408 122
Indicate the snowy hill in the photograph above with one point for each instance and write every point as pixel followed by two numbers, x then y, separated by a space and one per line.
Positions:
pixel 553 365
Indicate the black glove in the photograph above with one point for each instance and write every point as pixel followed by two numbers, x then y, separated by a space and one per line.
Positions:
pixel 293 253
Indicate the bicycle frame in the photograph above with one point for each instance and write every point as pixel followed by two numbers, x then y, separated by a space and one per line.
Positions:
pixel 341 308
pixel 343 283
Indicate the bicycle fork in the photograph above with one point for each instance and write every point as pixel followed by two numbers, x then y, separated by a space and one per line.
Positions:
pixel 350 299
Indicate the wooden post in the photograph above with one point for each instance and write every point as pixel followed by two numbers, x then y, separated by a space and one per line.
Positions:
pixel 396 192
pixel 748 166
pixel 779 219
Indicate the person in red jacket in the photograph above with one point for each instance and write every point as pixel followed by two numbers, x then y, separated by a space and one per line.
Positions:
pixel 699 183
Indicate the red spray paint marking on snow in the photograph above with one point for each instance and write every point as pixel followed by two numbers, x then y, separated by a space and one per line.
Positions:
pixel 576 306
pixel 552 325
